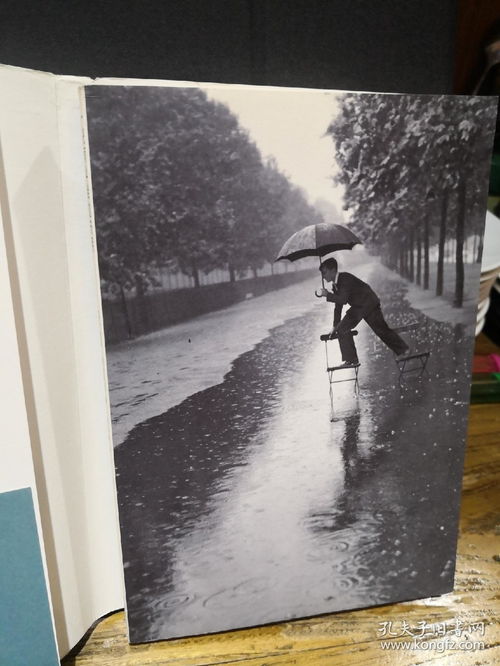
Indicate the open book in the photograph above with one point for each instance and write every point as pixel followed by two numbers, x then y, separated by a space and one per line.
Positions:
pixel 257 480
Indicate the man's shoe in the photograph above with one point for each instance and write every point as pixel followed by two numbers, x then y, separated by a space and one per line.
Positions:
pixel 349 364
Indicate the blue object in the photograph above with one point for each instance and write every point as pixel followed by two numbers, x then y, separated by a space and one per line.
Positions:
pixel 26 630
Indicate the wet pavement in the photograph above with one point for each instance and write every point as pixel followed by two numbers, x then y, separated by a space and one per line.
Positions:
pixel 152 373
pixel 244 504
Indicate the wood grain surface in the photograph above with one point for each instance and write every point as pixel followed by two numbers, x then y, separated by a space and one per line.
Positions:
pixel 355 637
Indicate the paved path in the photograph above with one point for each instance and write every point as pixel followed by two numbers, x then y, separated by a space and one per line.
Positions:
pixel 243 504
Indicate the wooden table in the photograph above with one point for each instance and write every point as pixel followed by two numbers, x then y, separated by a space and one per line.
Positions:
pixel 355 637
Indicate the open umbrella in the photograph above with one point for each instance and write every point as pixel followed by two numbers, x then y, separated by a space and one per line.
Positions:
pixel 316 240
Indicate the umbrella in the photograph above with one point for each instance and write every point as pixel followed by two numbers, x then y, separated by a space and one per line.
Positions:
pixel 316 240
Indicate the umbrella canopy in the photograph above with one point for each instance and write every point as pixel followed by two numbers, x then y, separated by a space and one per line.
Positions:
pixel 316 240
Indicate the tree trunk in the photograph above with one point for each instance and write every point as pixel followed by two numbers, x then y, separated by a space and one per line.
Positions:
pixel 412 255
pixel 196 275
pixel 139 287
pixel 426 251
pixel 272 267
pixel 480 249
pixel 254 272
pixel 419 258
pixel 459 247
pixel 442 239
pixel 142 316
pixel 232 273
pixel 388 258
pixel 125 313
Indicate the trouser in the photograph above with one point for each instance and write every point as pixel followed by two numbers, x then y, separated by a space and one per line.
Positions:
pixel 375 320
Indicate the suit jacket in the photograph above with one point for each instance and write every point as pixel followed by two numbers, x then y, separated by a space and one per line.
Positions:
pixel 352 291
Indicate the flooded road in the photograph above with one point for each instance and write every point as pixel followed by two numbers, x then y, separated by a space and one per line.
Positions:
pixel 150 374
pixel 243 504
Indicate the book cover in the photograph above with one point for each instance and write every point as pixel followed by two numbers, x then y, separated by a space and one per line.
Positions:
pixel 27 635
pixel 259 478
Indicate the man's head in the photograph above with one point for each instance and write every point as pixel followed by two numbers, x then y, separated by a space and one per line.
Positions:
pixel 329 269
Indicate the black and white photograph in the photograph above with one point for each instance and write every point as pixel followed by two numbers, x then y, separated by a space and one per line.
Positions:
pixel 289 284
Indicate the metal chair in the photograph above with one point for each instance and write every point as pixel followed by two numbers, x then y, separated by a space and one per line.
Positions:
pixel 412 363
pixel 332 369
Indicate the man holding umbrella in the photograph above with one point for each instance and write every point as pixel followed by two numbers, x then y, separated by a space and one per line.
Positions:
pixel 364 303
pixel 318 240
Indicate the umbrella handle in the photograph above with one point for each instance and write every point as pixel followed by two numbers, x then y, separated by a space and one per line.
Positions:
pixel 320 295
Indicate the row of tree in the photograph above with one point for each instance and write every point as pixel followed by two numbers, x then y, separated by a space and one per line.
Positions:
pixel 414 169
pixel 179 184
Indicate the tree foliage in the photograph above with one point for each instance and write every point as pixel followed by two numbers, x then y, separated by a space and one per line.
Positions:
pixel 401 156
pixel 177 182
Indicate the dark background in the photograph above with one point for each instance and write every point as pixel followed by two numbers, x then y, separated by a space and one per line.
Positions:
pixel 378 45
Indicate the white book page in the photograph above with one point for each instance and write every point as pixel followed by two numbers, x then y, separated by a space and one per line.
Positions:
pixel 60 309
pixel 16 464
pixel 16 461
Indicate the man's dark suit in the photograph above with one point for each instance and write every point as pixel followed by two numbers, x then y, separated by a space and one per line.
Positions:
pixel 364 304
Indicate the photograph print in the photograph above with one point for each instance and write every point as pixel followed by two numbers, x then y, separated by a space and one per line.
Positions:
pixel 289 284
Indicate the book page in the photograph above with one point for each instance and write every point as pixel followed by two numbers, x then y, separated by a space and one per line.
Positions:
pixel 70 444
pixel 288 442
pixel 16 470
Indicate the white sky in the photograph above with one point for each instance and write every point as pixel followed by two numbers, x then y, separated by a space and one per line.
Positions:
pixel 289 124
